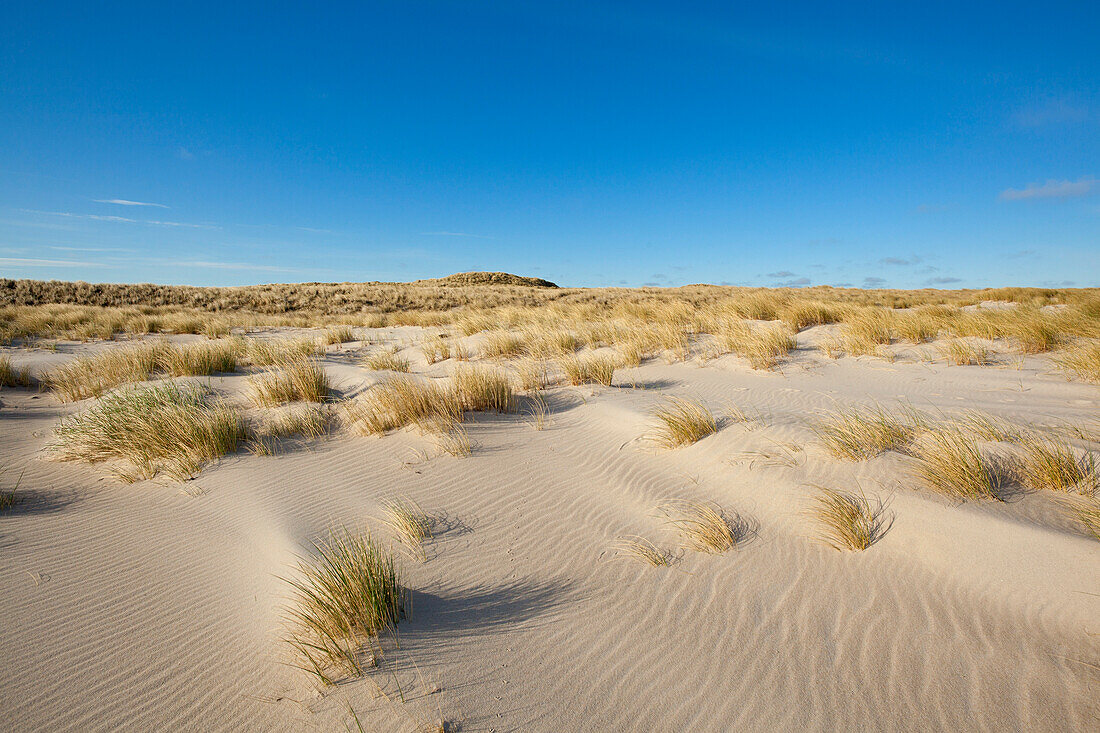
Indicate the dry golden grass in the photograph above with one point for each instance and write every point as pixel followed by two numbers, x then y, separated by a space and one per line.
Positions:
pixel 1081 360
pixel 409 523
pixel 706 526
pixel 340 335
pixel 452 439
pixel 202 358
pixel 308 421
pixel 387 360
pixel 985 426
pixel 537 410
pixel 917 327
pixel 865 331
pixel 859 433
pixel 152 429
pixel 402 401
pixel 10 376
pixel 1085 509
pixel 948 461
pixel 501 344
pixel 436 348
pixel 962 352
pixel 805 313
pixel 483 389
pixel 265 352
pixel 847 520
pixel 345 595
pixel 297 379
pixel 532 374
pixel 589 369
pixel 91 376
pixel 762 346
pixel 642 550
pixel 682 422
pixel 1051 463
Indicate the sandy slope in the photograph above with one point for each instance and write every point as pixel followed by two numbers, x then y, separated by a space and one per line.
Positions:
pixel 157 605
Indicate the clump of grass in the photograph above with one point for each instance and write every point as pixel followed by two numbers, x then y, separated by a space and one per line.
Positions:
pixel 1081 360
pixel 961 352
pixel 1034 333
pixel 10 376
pixel 537 410
pixel 308 421
pixel 436 348
pixel 682 422
pixel 160 428
pixel 201 359
pixel 451 438
pixel 857 433
pixel 10 497
pixel 803 314
pixel 590 369
pixel 762 346
pixel 340 335
pixel 387 360
pixel 1085 509
pixel 91 376
pixel 847 520
pixel 483 389
pixel 402 401
pixel 917 327
pixel 345 595
pixel 705 526
pixel 1051 463
pixel 864 331
pixel 986 426
pixel 409 523
pixel 297 379
pixel 949 462
pixel 502 344
pixel 532 374
pixel 266 352
pixel 642 550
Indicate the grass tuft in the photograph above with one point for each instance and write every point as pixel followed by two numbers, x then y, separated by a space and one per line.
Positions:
pixel 387 360
pixel 705 526
pixel 1052 464
pixel 961 352
pixel 1081 360
pixel 409 524
pixel 399 402
pixel 642 550
pixel 483 389
pixel 345 595
pixel 201 359
pixel 847 520
pixel 91 376
pixel 683 422
pixel 857 434
pixel 591 369
pixel 949 462
pixel 1085 509
pixel 297 379
pixel 160 428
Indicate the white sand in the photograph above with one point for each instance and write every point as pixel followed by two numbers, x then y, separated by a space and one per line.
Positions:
pixel 156 606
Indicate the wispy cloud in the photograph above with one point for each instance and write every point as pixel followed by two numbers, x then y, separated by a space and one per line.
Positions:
pixel 900 261
pixel 782 273
pixel 455 234
pixel 799 282
pixel 35 262
pixel 944 281
pixel 127 202
pixel 1052 189
pixel 873 282
pixel 120 219
pixel 91 249
pixel 211 265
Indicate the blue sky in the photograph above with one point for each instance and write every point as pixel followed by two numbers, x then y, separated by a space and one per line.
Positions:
pixel 870 144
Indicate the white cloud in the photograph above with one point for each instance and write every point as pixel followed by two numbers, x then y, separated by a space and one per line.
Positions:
pixel 32 262
pixel 121 219
pixel 210 265
pixel 1052 189
pixel 126 202
pixel 455 234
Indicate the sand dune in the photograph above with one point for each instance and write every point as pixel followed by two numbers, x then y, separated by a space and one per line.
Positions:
pixel 157 605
